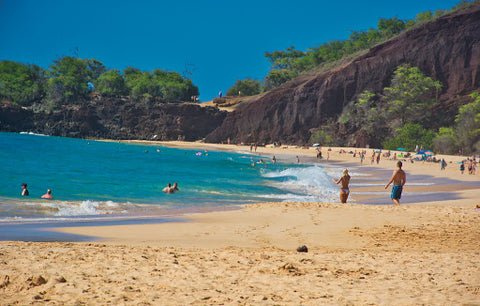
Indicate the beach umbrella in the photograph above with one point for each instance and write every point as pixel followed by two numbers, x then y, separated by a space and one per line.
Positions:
pixel 316 145
pixel 430 153
pixel 401 149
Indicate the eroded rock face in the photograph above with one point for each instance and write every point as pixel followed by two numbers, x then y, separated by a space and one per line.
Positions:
pixel 116 118
pixel 447 49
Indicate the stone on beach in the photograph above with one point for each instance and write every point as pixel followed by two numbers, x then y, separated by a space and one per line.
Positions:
pixel 37 280
pixel 302 248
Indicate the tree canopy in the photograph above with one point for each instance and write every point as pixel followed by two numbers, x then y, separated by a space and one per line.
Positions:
pixel 247 87
pixel 22 84
pixel 70 80
pixel 291 62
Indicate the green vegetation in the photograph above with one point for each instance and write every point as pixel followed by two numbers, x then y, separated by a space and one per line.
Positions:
pixel 247 87
pixel 290 63
pixel 465 134
pixel 395 114
pixel 409 136
pixel 70 80
pixel 398 117
pixel 21 83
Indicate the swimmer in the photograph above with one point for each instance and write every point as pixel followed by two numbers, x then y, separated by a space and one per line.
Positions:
pixel 168 189
pixel 25 190
pixel 48 195
pixel 344 191
pixel 174 188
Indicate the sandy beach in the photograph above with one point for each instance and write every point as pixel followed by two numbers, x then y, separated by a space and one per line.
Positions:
pixel 423 252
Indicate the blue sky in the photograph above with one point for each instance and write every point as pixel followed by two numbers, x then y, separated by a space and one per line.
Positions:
pixel 223 40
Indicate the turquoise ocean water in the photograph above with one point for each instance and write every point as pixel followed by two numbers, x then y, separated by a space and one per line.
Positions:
pixel 92 178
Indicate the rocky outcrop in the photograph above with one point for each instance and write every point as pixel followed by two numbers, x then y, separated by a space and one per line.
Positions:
pixel 447 49
pixel 116 118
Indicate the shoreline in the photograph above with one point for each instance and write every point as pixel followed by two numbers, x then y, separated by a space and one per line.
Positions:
pixel 441 188
pixel 423 252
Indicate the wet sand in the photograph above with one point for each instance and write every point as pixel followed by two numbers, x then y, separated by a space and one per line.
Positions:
pixel 424 252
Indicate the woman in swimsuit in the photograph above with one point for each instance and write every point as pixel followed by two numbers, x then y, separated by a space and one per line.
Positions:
pixel 344 191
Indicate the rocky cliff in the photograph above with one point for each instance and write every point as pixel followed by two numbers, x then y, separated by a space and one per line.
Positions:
pixel 116 118
pixel 447 49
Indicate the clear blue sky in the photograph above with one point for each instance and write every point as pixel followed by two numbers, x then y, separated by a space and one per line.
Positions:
pixel 224 40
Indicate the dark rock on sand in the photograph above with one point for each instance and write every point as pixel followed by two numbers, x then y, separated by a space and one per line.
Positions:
pixel 302 248
pixel 38 280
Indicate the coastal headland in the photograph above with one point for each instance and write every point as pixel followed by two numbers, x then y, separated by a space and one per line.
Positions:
pixel 423 252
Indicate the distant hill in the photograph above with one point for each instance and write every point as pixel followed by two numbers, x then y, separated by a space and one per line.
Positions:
pixel 447 49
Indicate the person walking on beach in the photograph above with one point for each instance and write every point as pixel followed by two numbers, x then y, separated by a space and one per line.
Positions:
pixel 48 195
pixel 25 190
pixel 398 178
pixel 344 190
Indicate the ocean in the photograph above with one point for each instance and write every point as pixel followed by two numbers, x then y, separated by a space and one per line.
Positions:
pixel 112 180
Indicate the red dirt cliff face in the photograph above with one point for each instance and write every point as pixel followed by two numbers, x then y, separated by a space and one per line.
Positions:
pixel 447 49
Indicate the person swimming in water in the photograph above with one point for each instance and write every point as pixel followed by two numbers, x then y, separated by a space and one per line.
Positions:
pixel 48 195
pixel 171 189
pixel 168 189
pixel 344 191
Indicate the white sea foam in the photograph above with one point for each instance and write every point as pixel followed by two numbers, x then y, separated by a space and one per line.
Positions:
pixel 83 208
pixel 307 184
pixel 32 133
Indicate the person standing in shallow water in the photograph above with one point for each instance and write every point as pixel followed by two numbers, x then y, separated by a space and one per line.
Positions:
pixel 344 191
pixel 398 178
pixel 25 190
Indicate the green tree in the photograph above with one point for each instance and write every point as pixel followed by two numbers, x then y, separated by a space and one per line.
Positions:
pixel 366 114
pixel 467 125
pixel 247 87
pixel 424 17
pixel 70 78
pixel 390 27
pixel 175 86
pixel 284 59
pixel 21 83
pixel 321 137
pixel 276 78
pixel 445 141
pixel 409 94
pixel 111 83
pixel 410 135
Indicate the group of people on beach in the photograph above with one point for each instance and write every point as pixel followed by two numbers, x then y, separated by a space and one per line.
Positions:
pixel 398 179
pixel 25 192
pixel 471 164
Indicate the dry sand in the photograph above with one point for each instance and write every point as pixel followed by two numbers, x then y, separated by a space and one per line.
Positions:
pixel 422 253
